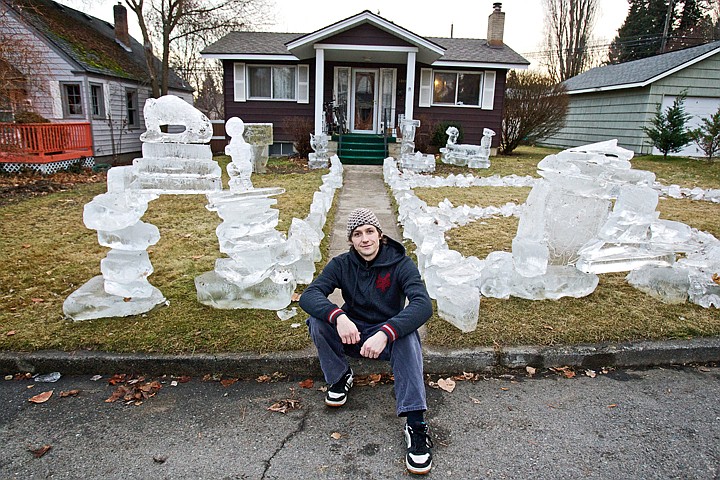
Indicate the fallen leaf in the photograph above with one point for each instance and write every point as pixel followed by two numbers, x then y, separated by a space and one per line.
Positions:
pixel 159 459
pixel 591 373
pixel 226 382
pixel 464 376
pixel 307 383
pixel 336 435
pixel 39 452
pixel 565 371
pixel 613 405
pixel 95 378
pixel 263 379
pixel 548 327
pixel 184 379
pixel 37 300
pixel 27 245
pixel 41 397
pixel 70 393
pixel 127 299
pixel 295 297
pixel 716 278
pixel 447 384
pixel 10 333
pixel 196 257
pixel 504 389
pixel 475 400
pixel 283 406
pixel 530 370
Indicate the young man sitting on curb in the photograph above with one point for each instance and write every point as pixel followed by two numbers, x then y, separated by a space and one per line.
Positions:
pixel 375 278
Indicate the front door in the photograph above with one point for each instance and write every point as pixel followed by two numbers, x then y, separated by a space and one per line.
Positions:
pixel 364 101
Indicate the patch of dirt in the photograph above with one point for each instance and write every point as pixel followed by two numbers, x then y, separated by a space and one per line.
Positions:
pixel 290 165
pixel 17 187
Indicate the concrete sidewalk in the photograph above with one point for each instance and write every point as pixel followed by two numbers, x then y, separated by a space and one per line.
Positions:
pixel 364 186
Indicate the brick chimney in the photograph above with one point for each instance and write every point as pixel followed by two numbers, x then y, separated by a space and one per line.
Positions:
pixel 496 26
pixel 121 26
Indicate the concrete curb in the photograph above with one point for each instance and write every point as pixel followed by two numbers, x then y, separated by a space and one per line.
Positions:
pixel 304 363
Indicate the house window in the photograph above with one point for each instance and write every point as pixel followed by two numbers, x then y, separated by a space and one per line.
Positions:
pixel 97 100
pixel 272 82
pixel 72 100
pixel 131 105
pixel 457 88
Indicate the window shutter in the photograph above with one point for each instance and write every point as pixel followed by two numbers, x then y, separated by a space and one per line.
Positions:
pixel 303 84
pixel 239 82
pixel 488 98
pixel 426 78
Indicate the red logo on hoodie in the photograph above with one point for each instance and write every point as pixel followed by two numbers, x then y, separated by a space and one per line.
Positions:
pixel 383 283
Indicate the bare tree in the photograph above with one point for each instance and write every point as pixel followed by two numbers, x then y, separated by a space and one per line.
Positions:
pixel 23 66
pixel 166 24
pixel 568 29
pixel 535 108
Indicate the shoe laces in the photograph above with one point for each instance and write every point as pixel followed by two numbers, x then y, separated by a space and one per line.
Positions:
pixel 420 441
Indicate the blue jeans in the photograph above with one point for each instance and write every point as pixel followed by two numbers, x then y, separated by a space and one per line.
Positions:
pixel 404 354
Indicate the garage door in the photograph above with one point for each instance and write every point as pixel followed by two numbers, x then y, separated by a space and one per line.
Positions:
pixel 698 108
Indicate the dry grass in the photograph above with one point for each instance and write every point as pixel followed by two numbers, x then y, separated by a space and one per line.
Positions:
pixel 49 253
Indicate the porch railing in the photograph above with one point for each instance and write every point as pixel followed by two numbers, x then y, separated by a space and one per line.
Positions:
pixel 44 142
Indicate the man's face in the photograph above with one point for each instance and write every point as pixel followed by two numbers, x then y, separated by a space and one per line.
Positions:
pixel 366 240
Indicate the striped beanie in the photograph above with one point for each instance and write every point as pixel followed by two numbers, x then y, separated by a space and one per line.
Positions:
pixel 360 217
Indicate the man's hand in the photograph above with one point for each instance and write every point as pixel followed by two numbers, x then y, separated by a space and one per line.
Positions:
pixel 373 346
pixel 347 330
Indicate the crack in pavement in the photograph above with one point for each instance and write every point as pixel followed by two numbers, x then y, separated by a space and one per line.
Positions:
pixel 290 436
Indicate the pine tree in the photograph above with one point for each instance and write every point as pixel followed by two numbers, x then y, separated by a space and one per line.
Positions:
pixel 668 132
pixel 641 35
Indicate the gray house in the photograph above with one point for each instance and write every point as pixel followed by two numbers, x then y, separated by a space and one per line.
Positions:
pixel 614 101
pixel 89 75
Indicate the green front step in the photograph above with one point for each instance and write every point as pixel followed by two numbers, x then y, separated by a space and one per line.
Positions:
pixel 354 148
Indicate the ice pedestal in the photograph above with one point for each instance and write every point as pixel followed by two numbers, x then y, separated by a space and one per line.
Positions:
pixel 259 136
pixel 318 158
pixel 269 294
pixel 91 301
pixel 411 160
pixel 459 305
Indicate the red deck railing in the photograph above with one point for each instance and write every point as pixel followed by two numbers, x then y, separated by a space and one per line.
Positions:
pixel 44 142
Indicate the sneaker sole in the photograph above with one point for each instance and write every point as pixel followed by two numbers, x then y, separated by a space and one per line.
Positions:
pixel 417 471
pixel 338 403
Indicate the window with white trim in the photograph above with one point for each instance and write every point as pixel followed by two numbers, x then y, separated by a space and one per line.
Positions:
pixel 457 88
pixel 272 82
pixel 72 99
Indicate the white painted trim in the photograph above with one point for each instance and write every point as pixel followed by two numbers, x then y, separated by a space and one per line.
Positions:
pixel 239 76
pixel 319 85
pixel 650 80
pixel 358 20
pixel 488 90
pixel 483 65
pixel 410 83
pixel 364 48
pixel 249 56
pixel 303 87
pixel 426 87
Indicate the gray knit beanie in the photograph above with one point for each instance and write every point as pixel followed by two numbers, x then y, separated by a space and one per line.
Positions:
pixel 360 217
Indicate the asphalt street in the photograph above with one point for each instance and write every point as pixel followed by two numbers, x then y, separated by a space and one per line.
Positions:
pixel 627 423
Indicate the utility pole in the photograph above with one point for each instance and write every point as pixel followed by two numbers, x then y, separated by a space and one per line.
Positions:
pixel 667 27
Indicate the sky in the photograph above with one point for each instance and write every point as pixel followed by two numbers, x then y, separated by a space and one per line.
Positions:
pixel 466 18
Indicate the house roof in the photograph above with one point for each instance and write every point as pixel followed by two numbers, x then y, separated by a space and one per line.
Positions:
pixel 89 41
pixel 639 73
pixel 432 50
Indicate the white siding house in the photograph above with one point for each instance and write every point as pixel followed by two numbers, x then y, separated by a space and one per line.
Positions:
pixel 91 71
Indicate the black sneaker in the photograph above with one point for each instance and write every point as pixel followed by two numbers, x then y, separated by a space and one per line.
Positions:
pixel 418 459
pixel 336 395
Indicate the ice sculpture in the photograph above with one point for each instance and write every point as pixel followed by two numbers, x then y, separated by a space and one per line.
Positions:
pixel 590 210
pixel 318 158
pixel 264 266
pixel 411 160
pixel 259 136
pixel 241 166
pixel 473 156
pixel 170 164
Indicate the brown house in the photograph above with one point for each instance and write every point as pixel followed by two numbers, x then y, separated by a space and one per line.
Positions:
pixel 373 71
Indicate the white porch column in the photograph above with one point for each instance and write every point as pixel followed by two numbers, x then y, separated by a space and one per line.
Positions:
pixel 319 88
pixel 410 82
